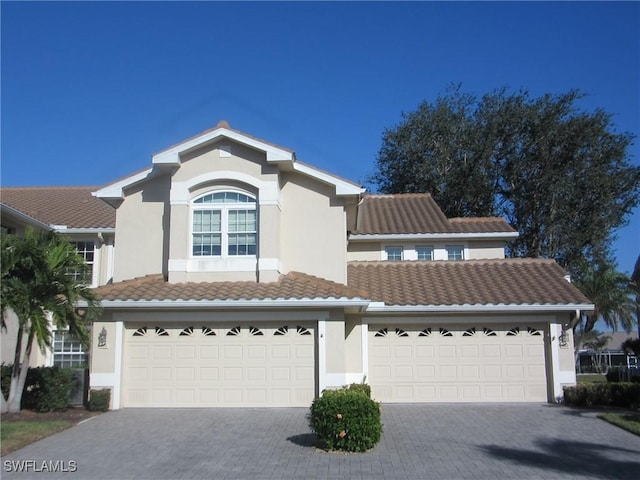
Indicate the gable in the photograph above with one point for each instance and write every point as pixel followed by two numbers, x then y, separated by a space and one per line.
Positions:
pixel 223 140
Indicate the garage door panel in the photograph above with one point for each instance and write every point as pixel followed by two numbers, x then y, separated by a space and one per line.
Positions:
pixel 453 364
pixel 230 365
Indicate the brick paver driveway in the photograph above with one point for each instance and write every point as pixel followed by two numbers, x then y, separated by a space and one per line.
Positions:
pixel 527 441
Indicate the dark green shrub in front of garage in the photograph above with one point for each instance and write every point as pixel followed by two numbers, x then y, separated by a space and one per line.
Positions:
pixel 346 419
pixel 622 394
pixel 99 400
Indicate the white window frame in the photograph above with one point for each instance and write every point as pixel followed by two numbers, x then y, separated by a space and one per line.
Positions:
pixel 71 353
pixel 450 251
pixel 93 275
pixel 431 252
pixel 224 208
pixel 387 248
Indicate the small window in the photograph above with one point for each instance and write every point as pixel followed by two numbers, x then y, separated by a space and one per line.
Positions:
pixel 455 252
pixel 424 252
pixel 394 254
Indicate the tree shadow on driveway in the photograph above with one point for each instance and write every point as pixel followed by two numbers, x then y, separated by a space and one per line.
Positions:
pixel 572 457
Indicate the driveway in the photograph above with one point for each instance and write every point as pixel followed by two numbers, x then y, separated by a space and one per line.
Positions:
pixel 528 441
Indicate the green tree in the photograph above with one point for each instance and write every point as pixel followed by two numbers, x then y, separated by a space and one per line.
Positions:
pixel 559 175
pixel 37 288
pixel 635 284
pixel 612 295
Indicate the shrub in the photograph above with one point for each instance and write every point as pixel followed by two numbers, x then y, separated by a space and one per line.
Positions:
pixel 99 400
pixel 346 419
pixel 48 388
pixel 360 387
pixel 623 374
pixel 619 394
pixel 5 378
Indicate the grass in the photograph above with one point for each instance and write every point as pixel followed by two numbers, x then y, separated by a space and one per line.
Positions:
pixel 591 378
pixel 15 435
pixel 627 421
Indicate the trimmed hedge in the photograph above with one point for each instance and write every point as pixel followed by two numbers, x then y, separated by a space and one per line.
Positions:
pixel 46 388
pixel 99 400
pixel 619 394
pixel 346 419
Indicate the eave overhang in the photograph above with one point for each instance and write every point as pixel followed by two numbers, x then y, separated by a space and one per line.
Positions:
pixel 23 217
pixel 379 307
pixel 360 304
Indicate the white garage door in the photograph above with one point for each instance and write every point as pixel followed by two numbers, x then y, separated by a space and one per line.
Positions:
pixel 457 364
pixel 254 365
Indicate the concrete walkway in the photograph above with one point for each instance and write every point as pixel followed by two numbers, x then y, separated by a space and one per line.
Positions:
pixel 528 441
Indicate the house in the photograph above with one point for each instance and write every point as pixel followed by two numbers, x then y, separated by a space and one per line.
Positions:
pixel 233 274
pixel 610 355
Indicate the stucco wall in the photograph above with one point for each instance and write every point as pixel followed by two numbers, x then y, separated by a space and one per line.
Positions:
pixel 353 344
pixel 103 359
pixel 142 243
pixel 313 229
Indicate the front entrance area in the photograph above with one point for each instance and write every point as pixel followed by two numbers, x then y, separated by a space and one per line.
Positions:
pixel 431 363
pixel 219 365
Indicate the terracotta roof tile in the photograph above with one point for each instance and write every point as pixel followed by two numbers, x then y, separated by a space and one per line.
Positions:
pixel 74 207
pixel 414 213
pixel 473 282
pixel 293 285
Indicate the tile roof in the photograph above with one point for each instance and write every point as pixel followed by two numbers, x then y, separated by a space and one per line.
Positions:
pixel 293 285
pixel 414 213
pixel 473 282
pixel 74 207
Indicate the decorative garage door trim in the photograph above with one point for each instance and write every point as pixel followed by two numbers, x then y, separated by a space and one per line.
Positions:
pixel 206 365
pixel 431 363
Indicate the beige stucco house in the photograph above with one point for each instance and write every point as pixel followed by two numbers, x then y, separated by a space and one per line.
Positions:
pixel 233 274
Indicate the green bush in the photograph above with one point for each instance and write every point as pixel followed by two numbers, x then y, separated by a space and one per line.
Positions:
pixel 48 389
pixel 346 419
pixel 623 374
pixel 360 387
pixel 618 394
pixel 5 378
pixel 99 400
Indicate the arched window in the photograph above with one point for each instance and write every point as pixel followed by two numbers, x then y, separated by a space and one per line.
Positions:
pixel 224 225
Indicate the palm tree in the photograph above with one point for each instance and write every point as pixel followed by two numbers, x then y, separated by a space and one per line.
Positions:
pixel 38 288
pixel 611 292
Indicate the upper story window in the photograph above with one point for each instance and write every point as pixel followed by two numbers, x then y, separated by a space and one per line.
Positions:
pixel 224 225
pixel 394 253
pixel 87 251
pixel 455 252
pixel 424 252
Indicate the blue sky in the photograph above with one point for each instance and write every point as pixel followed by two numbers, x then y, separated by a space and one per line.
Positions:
pixel 91 90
